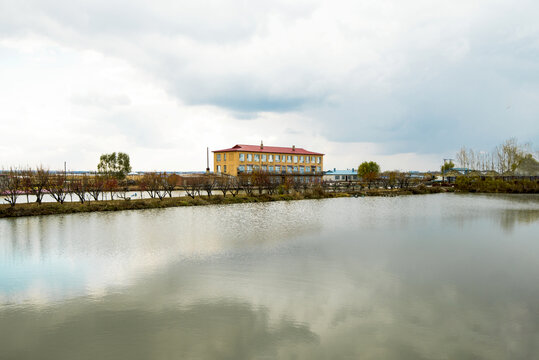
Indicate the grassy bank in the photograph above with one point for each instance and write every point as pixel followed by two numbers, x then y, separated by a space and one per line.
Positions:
pixel 494 185
pixel 33 209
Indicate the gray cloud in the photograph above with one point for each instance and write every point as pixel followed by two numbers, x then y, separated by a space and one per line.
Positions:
pixel 413 75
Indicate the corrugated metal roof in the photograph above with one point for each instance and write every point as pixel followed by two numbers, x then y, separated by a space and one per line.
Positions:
pixel 269 149
pixel 341 172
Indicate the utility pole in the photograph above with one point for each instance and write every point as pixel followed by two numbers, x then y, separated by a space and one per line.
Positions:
pixel 207 160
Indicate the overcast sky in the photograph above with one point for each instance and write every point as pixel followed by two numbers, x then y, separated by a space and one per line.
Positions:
pixel 404 83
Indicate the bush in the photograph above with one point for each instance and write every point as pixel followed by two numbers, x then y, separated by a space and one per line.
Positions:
pixel 495 185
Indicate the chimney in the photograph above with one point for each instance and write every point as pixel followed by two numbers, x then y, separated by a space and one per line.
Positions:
pixel 261 144
pixel 293 147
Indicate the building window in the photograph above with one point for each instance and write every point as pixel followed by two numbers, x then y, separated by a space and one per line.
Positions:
pixel 318 159
pixel 218 168
pixel 295 169
pixel 224 157
pixel 270 168
pixel 242 157
pixel 257 157
pixel 301 159
pixel 263 157
pixel 295 159
pixel 270 158
pixel 301 169
pixel 218 157
pixel 337 177
pixel 307 169
pixel 264 168
pixel 277 158
pixel 249 168
pixel 318 168
pixel 256 167
pixel 307 159
pixel 290 168
pixel 224 168
pixel 312 159
pixel 241 168
pixel 289 158
pixel 249 157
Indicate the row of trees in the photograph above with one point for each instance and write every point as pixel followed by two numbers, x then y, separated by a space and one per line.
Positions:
pixel 17 183
pixel 369 173
pixel 504 158
pixel 39 182
pixel 111 177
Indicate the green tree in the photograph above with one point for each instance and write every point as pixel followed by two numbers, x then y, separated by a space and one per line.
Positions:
pixel 447 166
pixel 368 171
pixel 115 165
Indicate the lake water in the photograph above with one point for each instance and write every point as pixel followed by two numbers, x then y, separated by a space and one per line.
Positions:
pixel 443 276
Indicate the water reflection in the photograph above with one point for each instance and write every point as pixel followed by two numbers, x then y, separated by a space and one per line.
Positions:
pixel 422 277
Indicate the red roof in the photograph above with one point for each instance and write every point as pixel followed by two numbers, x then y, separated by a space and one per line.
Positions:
pixel 269 149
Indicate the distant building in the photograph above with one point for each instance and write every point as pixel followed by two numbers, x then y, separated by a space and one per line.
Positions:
pixel 341 175
pixel 273 159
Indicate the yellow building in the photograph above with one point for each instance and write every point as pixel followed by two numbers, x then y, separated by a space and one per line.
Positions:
pixel 273 159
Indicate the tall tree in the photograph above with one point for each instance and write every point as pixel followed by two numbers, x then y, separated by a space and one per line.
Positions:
pixel 115 165
pixel 368 171
pixel 447 166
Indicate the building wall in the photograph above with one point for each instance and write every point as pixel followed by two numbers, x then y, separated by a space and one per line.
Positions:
pixel 341 177
pixel 233 160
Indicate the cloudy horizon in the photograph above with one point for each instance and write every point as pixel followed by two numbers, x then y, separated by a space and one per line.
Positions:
pixel 405 84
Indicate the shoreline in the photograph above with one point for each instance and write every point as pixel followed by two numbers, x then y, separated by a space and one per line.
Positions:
pixel 33 209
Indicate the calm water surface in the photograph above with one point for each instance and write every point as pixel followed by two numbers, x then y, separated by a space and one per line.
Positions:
pixel 419 277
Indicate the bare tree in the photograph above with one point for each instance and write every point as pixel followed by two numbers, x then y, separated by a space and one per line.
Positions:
pixel 26 182
pixel 170 182
pixel 260 180
pixel 57 187
pixel 224 184
pixel 40 179
pixel 96 186
pixel 11 186
pixel 208 184
pixel 235 186
pixel 272 184
pixel 123 189
pixel 193 185
pixel 79 186
pixel 153 183
pixel 111 185
pixel 247 184
pixel 403 180
pixel 509 154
